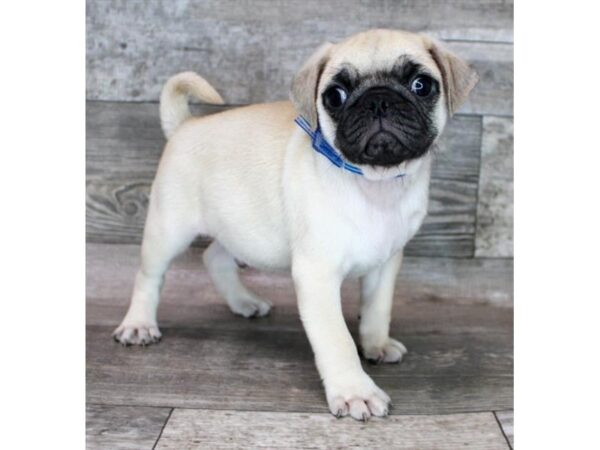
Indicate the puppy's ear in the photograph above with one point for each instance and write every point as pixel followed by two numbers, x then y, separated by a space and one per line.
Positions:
pixel 458 77
pixel 304 85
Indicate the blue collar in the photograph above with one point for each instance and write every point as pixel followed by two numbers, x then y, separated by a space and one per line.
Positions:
pixel 322 146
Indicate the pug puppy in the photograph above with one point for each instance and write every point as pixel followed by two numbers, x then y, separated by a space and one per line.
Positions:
pixel 336 194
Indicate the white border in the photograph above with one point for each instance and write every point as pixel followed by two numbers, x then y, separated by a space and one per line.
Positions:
pixel 557 181
pixel 557 225
pixel 42 187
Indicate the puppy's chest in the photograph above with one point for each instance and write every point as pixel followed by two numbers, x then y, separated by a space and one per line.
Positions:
pixel 366 232
pixel 379 236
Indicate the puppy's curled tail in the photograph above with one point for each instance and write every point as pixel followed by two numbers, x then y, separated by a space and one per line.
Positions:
pixel 174 108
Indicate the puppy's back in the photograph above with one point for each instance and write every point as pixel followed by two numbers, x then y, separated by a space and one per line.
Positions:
pixel 228 167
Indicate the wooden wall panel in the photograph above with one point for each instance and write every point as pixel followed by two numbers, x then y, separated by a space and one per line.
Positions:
pixel 249 50
pixel 495 206
pixel 124 143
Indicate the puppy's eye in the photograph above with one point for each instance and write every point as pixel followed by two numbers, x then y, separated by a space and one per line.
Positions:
pixel 335 97
pixel 421 86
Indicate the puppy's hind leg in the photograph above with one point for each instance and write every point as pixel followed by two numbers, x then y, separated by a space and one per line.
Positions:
pixel 166 235
pixel 223 271
pixel 375 313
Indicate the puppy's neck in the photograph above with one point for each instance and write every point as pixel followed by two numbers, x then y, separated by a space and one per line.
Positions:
pixel 377 186
pixel 406 170
pixel 416 173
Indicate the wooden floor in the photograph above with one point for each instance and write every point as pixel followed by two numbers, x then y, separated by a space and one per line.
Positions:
pixel 221 381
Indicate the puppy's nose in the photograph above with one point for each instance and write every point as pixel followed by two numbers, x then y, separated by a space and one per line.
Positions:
pixel 378 105
pixel 378 145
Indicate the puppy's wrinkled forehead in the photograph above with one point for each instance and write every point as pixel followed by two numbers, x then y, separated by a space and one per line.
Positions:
pixel 379 51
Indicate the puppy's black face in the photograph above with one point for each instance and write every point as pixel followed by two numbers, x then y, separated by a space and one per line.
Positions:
pixel 383 118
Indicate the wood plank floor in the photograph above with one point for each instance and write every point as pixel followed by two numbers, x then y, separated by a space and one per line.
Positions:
pixel 220 381
pixel 190 429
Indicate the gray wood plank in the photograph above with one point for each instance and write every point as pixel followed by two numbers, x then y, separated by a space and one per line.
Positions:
pixel 250 50
pixel 260 368
pixel 494 236
pixel 506 421
pixel 123 427
pixel 191 429
pixel 490 20
pixel 494 64
pixel 228 363
pixel 124 143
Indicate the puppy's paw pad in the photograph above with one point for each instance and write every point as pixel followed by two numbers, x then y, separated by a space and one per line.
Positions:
pixel 137 334
pixel 391 352
pixel 250 307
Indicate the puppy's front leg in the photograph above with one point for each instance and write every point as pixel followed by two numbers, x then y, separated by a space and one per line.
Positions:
pixel 377 294
pixel 348 388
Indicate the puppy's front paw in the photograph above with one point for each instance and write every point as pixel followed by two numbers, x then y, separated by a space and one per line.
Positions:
pixel 390 352
pixel 137 333
pixel 357 396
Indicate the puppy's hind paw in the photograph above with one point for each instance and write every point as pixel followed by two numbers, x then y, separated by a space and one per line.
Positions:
pixel 137 334
pixel 250 307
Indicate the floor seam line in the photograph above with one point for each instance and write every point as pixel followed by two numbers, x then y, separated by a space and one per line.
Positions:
pixel 502 430
pixel 163 428
pixel 322 412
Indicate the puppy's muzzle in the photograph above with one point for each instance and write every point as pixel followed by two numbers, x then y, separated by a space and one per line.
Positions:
pixel 380 141
pixel 380 144
pixel 384 127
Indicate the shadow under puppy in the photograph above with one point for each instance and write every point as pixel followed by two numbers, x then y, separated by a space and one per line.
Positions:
pixel 339 193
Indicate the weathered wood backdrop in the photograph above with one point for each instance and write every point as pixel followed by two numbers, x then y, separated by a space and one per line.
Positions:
pixel 249 50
